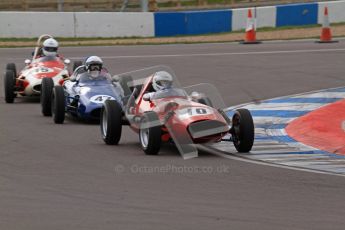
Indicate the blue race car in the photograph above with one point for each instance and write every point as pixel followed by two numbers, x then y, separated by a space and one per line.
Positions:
pixel 82 97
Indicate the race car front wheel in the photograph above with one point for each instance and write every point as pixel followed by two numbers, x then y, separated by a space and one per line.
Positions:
pixel 111 122
pixel 58 104
pixel 242 130
pixel 150 133
pixel 12 67
pixel 9 83
pixel 46 95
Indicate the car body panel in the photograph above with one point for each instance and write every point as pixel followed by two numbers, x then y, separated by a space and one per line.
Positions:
pixel 30 78
pixel 178 124
pixel 90 97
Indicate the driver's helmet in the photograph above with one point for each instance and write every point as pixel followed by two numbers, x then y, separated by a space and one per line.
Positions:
pixel 50 47
pixel 94 65
pixel 162 80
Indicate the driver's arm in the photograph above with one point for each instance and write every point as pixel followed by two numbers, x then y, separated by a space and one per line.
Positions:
pixel 73 78
pixel 150 95
pixel 77 72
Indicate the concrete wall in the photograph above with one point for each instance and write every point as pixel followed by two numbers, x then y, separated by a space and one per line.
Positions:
pixel 177 23
pixel 116 24
pixel 266 17
pixel 33 24
pixel 297 14
pixel 192 22
pixel 91 24
pixel 336 11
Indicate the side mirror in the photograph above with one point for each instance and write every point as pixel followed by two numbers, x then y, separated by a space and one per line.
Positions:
pixel 67 61
pixel 27 61
pixel 146 97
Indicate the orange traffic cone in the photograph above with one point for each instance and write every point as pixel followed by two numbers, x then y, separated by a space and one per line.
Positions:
pixel 326 34
pixel 250 37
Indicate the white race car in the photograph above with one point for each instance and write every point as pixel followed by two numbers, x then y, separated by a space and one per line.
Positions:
pixel 40 70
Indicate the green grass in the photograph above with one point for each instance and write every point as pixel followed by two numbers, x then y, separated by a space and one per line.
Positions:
pixel 83 39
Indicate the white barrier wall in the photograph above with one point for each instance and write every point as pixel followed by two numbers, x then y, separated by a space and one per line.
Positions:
pixel 92 24
pixel 139 24
pixel 33 24
pixel 83 24
pixel 265 17
pixel 336 11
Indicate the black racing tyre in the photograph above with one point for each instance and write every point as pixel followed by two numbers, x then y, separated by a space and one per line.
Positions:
pixel 150 137
pixel 9 84
pixel 47 86
pixel 12 67
pixel 58 104
pixel 111 122
pixel 76 64
pixel 242 130
pixel 205 101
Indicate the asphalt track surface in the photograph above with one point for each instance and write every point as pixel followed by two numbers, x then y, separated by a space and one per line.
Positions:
pixel 65 177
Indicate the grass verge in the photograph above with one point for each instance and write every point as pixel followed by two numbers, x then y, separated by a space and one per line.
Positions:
pixel 281 33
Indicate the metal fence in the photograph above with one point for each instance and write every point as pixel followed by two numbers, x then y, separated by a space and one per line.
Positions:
pixel 132 5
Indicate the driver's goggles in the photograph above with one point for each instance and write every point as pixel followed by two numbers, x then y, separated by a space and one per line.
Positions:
pixel 95 67
pixel 50 49
pixel 164 83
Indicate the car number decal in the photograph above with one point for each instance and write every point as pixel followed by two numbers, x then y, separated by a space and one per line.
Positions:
pixel 101 98
pixel 44 70
pixel 201 111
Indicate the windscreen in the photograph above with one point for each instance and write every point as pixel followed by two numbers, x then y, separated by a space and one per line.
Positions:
pixel 48 58
pixel 86 80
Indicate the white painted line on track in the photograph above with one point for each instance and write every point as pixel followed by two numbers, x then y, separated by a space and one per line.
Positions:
pixel 272 120
pixel 285 106
pixel 303 94
pixel 219 54
pixel 247 160
pixel 323 95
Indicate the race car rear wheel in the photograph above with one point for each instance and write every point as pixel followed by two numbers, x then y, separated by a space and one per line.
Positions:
pixel 76 64
pixel 46 96
pixel 58 104
pixel 150 136
pixel 9 84
pixel 12 67
pixel 111 122
pixel 242 130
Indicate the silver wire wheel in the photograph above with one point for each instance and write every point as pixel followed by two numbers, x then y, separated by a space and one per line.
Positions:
pixel 144 137
pixel 104 123
pixel 150 137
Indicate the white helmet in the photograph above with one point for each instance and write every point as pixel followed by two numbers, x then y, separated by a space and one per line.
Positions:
pixel 94 65
pixel 50 47
pixel 162 80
